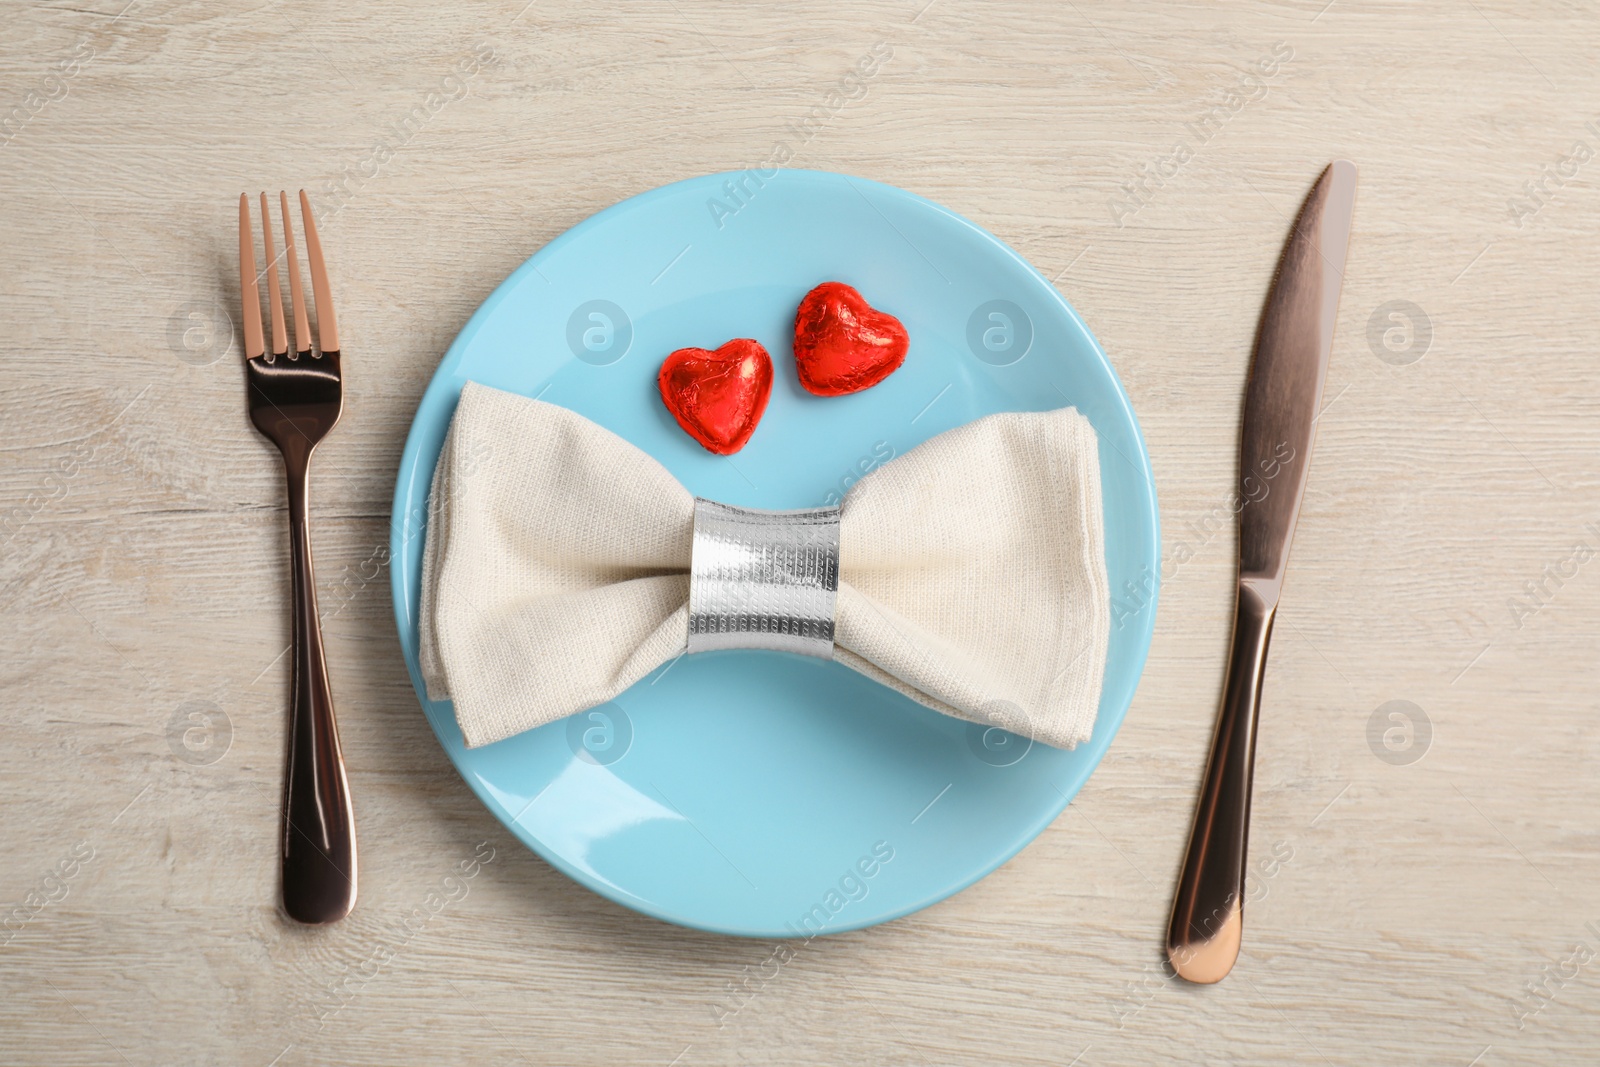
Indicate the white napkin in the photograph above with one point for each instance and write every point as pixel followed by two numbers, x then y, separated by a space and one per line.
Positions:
pixel 972 570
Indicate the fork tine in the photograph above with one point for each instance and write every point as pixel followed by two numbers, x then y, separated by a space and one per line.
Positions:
pixel 327 324
pixel 280 333
pixel 249 294
pixel 302 327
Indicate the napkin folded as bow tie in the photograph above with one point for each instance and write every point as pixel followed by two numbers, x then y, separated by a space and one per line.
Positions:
pixel 972 571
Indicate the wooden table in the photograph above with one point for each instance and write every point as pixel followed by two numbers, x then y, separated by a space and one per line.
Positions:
pixel 1425 896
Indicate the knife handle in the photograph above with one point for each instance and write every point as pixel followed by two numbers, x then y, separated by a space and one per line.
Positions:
pixel 1208 911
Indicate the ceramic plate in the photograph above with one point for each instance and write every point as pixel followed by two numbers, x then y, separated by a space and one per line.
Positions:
pixel 761 793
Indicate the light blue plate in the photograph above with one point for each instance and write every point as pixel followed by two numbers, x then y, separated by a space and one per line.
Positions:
pixel 760 793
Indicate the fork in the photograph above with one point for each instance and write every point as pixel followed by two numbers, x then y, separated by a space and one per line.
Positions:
pixel 295 399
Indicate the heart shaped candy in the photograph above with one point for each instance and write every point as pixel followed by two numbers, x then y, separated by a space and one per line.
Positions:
pixel 844 345
pixel 718 397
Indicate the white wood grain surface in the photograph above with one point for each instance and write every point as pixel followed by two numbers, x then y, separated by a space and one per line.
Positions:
pixel 1439 911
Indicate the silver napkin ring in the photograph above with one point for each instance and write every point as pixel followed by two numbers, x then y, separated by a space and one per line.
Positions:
pixel 763 579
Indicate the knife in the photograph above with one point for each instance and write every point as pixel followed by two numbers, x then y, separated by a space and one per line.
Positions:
pixel 1282 400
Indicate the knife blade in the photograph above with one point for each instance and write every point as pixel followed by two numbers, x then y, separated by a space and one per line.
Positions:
pixel 1282 401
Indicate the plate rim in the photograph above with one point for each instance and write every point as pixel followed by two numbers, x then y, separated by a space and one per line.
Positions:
pixel 1107 725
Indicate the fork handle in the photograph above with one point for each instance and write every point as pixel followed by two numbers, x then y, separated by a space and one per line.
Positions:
pixel 1208 911
pixel 319 830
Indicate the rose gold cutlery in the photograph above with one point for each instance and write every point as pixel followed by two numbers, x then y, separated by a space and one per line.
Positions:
pixel 295 399
pixel 1282 400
